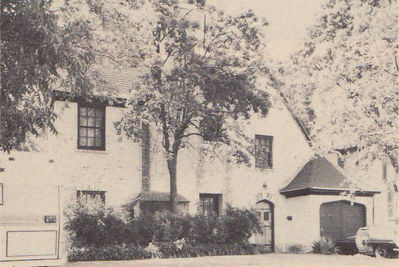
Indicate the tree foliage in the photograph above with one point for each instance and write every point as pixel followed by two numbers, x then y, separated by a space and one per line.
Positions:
pixel 199 70
pixel 343 82
pixel 41 47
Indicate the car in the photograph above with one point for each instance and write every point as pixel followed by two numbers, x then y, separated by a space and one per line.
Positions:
pixel 346 246
pixel 381 241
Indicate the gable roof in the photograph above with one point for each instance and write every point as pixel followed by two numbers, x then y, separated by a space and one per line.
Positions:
pixel 319 176
pixel 117 83
pixel 298 121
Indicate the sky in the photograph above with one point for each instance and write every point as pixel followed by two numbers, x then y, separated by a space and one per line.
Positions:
pixel 288 21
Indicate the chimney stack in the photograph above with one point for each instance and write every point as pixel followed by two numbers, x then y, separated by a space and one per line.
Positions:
pixel 145 158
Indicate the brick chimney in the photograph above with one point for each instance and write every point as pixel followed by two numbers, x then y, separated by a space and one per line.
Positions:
pixel 145 158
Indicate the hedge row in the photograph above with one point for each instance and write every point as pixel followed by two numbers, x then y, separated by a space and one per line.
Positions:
pixel 158 250
pixel 98 227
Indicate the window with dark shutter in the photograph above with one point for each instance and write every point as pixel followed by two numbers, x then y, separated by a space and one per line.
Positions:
pixel 91 127
pixel 263 151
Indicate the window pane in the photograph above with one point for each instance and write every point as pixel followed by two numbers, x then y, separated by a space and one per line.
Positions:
pixel 210 202
pixel 99 113
pixel 98 141
pixel 83 111
pixel 91 112
pixel 90 132
pixel 92 122
pixel 82 131
pixel 97 132
pixel 83 141
pixel 90 142
pixel 99 122
pixel 83 121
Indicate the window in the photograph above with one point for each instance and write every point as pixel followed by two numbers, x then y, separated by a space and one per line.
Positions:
pixel 263 151
pixel 210 204
pixel 87 195
pixel 266 216
pixel 91 127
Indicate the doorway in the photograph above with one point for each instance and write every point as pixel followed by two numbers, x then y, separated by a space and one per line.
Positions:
pixel 265 213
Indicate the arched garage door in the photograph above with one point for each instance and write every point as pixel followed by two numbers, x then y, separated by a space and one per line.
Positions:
pixel 340 219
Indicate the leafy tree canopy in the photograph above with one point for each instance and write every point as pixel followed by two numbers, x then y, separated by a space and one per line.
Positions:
pixel 41 46
pixel 199 70
pixel 343 82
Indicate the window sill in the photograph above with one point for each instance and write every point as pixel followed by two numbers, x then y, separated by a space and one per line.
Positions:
pixel 91 151
pixel 265 170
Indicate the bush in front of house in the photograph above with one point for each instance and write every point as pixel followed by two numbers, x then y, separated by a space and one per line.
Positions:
pixel 324 246
pixel 239 225
pixel 98 233
pixel 170 250
pixel 107 253
pixel 236 226
pixel 295 249
pixel 157 250
pixel 92 225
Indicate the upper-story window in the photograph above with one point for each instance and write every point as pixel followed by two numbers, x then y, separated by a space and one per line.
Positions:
pixel 263 151
pixel 91 127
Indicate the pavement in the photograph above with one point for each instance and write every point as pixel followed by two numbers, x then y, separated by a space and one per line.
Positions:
pixel 275 259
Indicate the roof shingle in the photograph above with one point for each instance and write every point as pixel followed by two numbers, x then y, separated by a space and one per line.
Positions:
pixel 158 196
pixel 318 173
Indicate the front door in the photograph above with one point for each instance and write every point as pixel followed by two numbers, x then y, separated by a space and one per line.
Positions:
pixel 265 213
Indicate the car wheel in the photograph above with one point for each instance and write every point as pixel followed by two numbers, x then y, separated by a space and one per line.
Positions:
pixel 381 252
pixel 339 250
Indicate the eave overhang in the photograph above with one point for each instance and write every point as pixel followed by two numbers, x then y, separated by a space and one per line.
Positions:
pixel 326 191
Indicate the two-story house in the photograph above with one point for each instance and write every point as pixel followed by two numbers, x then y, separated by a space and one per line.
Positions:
pixel 298 197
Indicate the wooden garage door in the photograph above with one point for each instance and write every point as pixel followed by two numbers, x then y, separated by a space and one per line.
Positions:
pixel 340 219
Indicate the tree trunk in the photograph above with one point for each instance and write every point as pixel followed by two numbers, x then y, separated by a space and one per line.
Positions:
pixel 172 163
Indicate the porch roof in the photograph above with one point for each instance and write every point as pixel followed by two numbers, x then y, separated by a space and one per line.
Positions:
pixel 158 196
pixel 319 176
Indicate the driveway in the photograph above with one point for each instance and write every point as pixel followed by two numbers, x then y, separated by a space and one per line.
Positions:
pixel 251 260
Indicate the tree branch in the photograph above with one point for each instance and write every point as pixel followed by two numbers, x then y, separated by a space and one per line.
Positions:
pixel 165 132
pixel 191 134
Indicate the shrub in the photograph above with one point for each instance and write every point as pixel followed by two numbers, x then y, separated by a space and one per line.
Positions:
pixel 206 229
pixel 323 246
pixel 111 252
pixel 93 229
pixel 160 250
pixel 171 227
pixel 296 248
pixel 240 224
pixel 236 226
pixel 91 224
